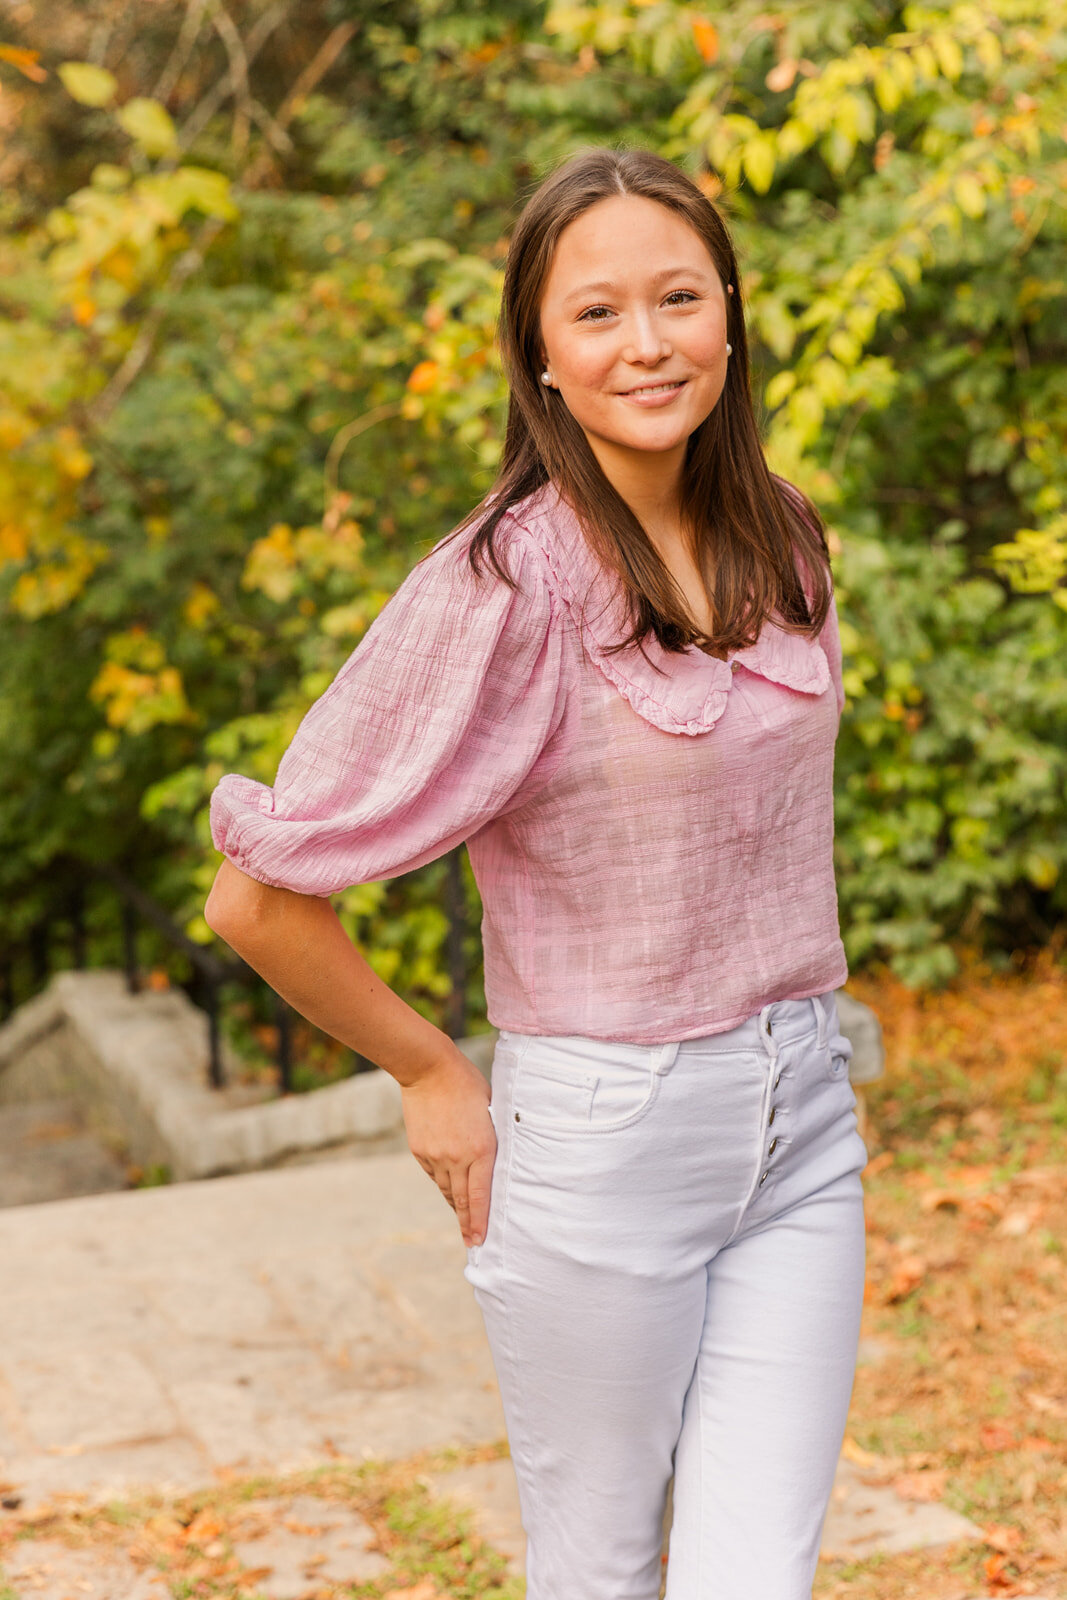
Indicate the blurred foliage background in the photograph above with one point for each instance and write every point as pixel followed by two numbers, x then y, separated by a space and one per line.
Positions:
pixel 251 257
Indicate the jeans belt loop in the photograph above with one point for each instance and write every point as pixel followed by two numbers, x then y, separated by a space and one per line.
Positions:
pixel 770 1043
pixel 668 1055
pixel 821 1019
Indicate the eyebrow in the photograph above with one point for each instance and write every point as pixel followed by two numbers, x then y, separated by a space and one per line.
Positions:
pixel 659 277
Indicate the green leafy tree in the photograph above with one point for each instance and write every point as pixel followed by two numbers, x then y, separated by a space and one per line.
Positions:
pixel 248 375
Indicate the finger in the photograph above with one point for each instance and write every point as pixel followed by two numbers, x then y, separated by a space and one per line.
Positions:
pixel 462 1205
pixel 479 1190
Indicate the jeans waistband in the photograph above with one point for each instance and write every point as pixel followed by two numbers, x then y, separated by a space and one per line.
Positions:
pixel 780 1022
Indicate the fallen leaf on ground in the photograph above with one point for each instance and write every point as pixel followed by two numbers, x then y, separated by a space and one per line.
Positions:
pixel 995 1436
pixel 907 1275
pixel 1048 1404
pixel 855 1453
pixel 922 1486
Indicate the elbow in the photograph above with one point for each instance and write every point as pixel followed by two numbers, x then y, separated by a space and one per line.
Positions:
pixel 231 905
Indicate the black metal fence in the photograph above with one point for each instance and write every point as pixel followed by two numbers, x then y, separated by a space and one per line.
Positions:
pixel 60 929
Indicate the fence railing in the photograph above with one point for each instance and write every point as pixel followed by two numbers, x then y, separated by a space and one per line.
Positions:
pixel 64 922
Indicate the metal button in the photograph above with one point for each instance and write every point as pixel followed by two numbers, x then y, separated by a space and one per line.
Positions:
pixel 764 1178
pixel 774 1113
pixel 773 1146
pixel 734 665
pixel 517 1117
pixel 777 1080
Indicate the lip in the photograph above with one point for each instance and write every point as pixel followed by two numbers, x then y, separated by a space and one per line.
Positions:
pixel 652 399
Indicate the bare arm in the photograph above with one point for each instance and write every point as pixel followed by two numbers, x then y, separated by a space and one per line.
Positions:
pixel 296 942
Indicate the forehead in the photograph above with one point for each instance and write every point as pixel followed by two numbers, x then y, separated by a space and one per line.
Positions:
pixel 628 240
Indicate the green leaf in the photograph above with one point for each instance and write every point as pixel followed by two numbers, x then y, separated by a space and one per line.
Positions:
pixel 89 85
pixel 150 125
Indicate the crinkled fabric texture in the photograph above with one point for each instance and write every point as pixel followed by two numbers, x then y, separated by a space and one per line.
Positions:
pixel 652 838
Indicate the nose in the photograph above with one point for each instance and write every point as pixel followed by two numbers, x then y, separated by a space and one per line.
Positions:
pixel 647 343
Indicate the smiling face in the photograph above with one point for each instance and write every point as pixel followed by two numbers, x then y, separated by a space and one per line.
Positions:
pixel 633 331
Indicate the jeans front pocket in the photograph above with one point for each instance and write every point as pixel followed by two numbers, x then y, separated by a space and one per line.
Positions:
pixel 583 1085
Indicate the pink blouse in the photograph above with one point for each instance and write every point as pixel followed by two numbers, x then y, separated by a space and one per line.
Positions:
pixel 653 847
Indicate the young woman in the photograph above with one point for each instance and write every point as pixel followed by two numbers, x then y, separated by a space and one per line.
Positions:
pixel 619 681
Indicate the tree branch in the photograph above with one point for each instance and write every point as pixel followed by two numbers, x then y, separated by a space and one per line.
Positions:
pixel 220 92
pixel 315 71
pixel 136 357
pixel 183 49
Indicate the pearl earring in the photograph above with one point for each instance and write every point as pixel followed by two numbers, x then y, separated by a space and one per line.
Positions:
pixel 546 377
pixel 729 349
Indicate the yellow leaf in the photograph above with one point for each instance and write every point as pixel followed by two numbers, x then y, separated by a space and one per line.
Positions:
pixel 987 49
pixel 780 387
pixel 970 196
pixel 887 91
pixel 758 160
pixel 89 85
pixel 149 123
pixel 1041 869
pixel 948 53
pixel 201 604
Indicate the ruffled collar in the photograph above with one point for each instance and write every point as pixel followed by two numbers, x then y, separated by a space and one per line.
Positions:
pixel 690 691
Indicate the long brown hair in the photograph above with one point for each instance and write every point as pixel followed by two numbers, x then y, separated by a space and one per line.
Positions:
pixel 754 533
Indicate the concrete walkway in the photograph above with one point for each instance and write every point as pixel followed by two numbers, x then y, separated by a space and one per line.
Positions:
pixel 268 1320
pixel 154 1338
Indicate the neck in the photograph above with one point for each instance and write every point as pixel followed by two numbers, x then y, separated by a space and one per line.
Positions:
pixel 650 482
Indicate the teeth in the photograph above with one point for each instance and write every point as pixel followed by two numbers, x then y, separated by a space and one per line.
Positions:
pixel 656 388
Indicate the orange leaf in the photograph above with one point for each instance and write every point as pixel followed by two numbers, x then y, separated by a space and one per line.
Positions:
pixel 706 38
pixel 995 1436
pixel 782 75
pixel 908 1275
pixel 24 61
pixel 423 378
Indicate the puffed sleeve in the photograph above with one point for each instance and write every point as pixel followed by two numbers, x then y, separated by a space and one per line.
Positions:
pixel 429 730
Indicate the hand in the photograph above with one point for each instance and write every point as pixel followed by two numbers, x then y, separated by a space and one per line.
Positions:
pixel 446 1114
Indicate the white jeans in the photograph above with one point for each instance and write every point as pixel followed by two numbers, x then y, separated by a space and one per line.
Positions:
pixel 672 1280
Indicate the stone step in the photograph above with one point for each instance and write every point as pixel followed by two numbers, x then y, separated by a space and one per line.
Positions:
pixel 48 1151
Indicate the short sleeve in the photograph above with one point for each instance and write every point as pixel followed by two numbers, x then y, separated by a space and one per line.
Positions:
pixel 428 732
